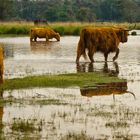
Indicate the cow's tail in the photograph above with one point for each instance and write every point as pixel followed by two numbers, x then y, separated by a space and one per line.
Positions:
pixel 83 44
pixel 31 34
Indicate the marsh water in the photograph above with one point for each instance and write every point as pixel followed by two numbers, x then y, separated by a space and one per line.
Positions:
pixel 101 113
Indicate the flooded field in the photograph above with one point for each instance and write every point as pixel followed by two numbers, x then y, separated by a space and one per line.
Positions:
pixel 110 112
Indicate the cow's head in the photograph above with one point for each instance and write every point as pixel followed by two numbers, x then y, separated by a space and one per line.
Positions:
pixel 57 36
pixel 125 32
pixel 122 34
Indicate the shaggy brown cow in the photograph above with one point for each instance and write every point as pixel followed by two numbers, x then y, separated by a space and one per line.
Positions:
pixel 43 33
pixel 103 40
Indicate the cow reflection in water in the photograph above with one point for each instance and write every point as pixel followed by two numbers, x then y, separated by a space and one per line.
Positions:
pixel 89 67
pixel 103 89
pixel 106 89
pixel 1 113
pixel 42 47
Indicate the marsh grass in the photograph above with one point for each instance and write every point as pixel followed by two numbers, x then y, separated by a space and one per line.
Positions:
pixel 2 136
pixel 5 101
pixel 75 136
pixel 29 125
pixel 64 28
pixel 15 28
pixel 61 81
pixel 23 126
pixel 117 124
pixel 50 102
pixel 67 30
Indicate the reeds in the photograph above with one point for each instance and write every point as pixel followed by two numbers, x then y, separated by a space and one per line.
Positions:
pixel 63 28
pixel 22 28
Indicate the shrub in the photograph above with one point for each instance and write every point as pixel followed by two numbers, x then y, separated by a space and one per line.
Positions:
pixel 59 29
pixel 134 33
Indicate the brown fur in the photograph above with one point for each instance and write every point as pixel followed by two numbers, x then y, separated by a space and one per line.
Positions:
pixel 103 40
pixel 43 33
pixel 1 65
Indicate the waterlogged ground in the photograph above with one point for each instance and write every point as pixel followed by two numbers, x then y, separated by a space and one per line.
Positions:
pixel 55 113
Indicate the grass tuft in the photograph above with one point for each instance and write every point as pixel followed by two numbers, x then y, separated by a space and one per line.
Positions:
pixel 29 125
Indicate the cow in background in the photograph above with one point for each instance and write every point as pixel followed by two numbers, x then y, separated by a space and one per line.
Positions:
pixel 43 33
pixel 105 40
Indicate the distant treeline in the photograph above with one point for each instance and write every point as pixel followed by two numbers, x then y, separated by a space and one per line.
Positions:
pixel 70 10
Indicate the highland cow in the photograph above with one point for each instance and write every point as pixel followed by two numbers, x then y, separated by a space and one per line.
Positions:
pixel 104 40
pixel 43 33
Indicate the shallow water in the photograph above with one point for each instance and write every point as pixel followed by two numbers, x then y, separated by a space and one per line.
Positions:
pixel 64 113
pixel 38 58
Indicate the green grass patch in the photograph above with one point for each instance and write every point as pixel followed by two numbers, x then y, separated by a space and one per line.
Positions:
pixel 62 80
pixel 67 30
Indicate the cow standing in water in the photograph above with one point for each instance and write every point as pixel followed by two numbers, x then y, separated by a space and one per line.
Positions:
pixel 43 33
pixel 103 40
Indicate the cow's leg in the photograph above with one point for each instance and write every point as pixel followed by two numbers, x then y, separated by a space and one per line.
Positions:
pixel 31 39
pixel 117 53
pixel 35 38
pixel 116 68
pixel 47 39
pixel 77 58
pixel 90 54
pixel 106 56
pixel 79 53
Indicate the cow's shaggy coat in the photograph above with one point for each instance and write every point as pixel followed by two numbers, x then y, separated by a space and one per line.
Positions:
pixel 103 40
pixel 43 33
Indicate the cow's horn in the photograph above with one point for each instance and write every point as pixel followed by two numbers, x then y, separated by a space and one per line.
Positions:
pixel 132 94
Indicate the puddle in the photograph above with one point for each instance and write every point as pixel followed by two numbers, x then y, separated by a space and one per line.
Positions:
pixel 102 112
